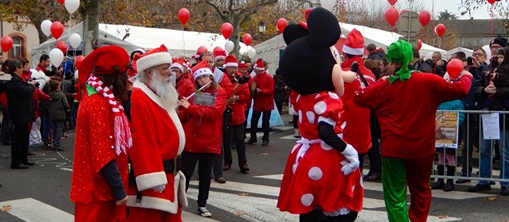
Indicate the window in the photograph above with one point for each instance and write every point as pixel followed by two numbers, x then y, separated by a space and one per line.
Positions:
pixel 17 47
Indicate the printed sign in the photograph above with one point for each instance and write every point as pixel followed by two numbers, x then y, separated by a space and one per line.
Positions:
pixel 447 128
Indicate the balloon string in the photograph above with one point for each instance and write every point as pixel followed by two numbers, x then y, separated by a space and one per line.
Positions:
pixel 343 11
pixel 491 15
pixel 183 42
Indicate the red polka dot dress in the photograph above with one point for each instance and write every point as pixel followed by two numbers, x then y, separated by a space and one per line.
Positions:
pixel 313 176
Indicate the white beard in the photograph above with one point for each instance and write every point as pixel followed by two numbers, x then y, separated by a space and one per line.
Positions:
pixel 165 90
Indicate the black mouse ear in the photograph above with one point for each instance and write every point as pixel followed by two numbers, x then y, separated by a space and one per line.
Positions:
pixel 324 30
pixel 293 32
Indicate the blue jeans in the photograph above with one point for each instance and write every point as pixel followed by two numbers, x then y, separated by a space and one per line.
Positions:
pixel 486 158
pixel 45 128
pixel 58 129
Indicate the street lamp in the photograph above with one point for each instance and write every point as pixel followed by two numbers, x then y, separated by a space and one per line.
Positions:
pixel 261 27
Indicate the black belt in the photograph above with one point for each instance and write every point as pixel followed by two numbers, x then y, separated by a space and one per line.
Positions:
pixel 172 166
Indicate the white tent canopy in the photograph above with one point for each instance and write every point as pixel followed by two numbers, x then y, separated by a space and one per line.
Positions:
pixel 180 43
pixel 468 52
pixel 270 50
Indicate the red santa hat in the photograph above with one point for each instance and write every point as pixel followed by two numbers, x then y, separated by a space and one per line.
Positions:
pixel 354 44
pixel 179 63
pixel 104 61
pixel 259 65
pixel 154 57
pixel 219 53
pixel 231 61
pixel 242 64
pixel 201 69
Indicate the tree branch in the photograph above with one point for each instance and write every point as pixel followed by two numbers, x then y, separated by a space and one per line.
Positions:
pixel 218 10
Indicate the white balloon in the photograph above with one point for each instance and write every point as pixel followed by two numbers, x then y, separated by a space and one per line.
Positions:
pixel 251 52
pixel 229 46
pixel 56 57
pixel 328 4
pixel 46 27
pixel 75 40
pixel 72 5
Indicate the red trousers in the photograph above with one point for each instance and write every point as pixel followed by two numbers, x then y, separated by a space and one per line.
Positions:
pixel 99 212
pixel 137 214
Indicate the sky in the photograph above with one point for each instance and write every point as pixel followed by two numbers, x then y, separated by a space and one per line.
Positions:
pixel 454 6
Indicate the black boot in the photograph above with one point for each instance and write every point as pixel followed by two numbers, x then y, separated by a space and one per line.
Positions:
pixel 440 182
pixel 451 171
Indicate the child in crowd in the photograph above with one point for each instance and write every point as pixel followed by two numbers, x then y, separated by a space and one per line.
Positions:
pixel 57 112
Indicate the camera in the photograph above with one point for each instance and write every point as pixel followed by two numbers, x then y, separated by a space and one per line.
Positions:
pixel 469 61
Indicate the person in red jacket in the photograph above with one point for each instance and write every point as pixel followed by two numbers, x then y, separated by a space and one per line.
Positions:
pixel 157 186
pixel 44 62
pixel 357 129
pixel 203 119
pixel 243 70
pixel 237 104
pixel 406 105
pixel 183 85
pixel 103 136
pixel 263 102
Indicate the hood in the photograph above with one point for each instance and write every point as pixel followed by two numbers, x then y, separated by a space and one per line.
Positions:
pixel 56 95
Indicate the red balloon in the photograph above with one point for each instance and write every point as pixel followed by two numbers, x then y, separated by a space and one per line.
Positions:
pixel 492 1
pixel 440 29
pixel 183 16
pixel 61 1
pixel 424 17
pixel 78 60
pixel 454 68
pixel 227 30
pixel 419 44
pixel 282 23
pixel 306 15
pixel 6 43
pixel 202 49
pixel 62 46
pixel 391 16
pixel 57 29
pixel 247 39
pixel 392 2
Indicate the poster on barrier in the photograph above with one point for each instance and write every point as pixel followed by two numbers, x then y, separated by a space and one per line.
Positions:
pixel 491 126
pixel 447 129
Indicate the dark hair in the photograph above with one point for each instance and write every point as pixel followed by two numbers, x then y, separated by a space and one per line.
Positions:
pixel 205 54
pixel 416 52
pixel 44 57
pixel 54 84
pixel 385 61
pixel 371 47
pixel 23 60
pixel 461 56
pixel 483 52
pixel 5 66
pixel 118 81
pixel 504 51
pixel 12 65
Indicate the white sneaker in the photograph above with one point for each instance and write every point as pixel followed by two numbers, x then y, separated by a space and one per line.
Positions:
pixel 202 211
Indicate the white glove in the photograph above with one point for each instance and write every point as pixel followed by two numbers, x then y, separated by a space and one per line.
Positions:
pixel 352 160
pixel 159 189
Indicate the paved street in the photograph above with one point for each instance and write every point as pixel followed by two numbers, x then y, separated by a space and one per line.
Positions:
pixel 41 193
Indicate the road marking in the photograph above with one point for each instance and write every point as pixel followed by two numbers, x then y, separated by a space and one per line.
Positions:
pixel 289 137
pixel 32 210
pixel 274 191
pixel 66 169
pixel 454 195
pixel 264 209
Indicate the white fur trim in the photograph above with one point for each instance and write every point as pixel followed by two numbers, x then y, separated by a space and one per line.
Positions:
pixel 177 65
pixel 219 57
pixel 258 68
pixel 232 64
pixel 201 72
pixel 161 204
pixel 353 51
pixel 150 180
pixel 153 60
pixel 172 113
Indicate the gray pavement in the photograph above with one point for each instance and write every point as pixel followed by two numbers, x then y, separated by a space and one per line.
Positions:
pixel 245 197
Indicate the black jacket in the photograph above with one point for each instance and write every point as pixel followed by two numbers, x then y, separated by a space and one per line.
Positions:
pixel 495 102
pixel 19 100
pixel 439 70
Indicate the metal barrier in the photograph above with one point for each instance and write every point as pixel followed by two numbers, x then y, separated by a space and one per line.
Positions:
pixel 472 131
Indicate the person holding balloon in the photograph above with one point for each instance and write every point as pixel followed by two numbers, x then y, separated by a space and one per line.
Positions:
pixel 409 100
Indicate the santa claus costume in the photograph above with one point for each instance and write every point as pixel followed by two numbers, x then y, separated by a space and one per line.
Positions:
pixel 202 124
pixel 237 104
pixel 102 138
pixel 357 129
pixel 406 105
pixel 263 102
pixel 157 187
